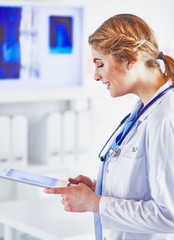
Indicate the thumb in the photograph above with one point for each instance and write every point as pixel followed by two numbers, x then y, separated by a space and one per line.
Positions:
pixel 76 180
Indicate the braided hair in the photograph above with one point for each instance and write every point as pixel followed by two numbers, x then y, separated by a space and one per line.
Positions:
pixel 128 37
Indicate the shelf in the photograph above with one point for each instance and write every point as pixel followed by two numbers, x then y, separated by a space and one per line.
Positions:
pixel 44 94
pixel 45 219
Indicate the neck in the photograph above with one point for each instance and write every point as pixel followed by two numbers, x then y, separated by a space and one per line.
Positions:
pixel 148 84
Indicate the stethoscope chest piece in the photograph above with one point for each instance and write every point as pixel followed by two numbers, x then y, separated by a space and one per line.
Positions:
pixel 114 154
pixel 110 152
pixel 117 151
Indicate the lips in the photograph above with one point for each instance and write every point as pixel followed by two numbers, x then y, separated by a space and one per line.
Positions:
pixel 108 84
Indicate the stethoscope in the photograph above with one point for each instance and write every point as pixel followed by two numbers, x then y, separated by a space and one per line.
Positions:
pixel 107 150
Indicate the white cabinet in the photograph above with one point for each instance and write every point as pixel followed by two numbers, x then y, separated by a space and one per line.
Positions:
pixel 50 130
pixel 46 131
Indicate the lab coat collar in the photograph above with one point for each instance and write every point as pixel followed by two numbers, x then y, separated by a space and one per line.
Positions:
pixel 150 109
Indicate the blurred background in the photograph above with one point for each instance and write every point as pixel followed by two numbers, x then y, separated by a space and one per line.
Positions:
pixel 54 118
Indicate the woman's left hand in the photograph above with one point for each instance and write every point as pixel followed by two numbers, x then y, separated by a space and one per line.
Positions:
pixel 79 198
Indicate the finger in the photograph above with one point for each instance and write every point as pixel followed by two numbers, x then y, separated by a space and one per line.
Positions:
pixel 76 180
pixel 66 206
pixel 63 202
pixel 55 190
pixel 68 209
pixel 73 180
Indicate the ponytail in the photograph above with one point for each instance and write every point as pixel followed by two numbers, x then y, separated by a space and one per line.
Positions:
pixel 169 68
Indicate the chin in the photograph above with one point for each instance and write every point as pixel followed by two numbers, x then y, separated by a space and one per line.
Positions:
pixel 114 95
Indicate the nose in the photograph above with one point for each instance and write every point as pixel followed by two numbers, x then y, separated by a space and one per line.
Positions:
pixel 97 76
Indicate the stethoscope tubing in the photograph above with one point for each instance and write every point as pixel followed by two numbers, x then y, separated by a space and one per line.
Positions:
pixel 142 111
pixel 120 124
pixel 102 158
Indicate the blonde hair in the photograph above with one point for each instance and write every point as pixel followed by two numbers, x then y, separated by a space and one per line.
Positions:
pixel 129 37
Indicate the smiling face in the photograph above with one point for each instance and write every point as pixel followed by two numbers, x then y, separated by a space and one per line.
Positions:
pixel 117 76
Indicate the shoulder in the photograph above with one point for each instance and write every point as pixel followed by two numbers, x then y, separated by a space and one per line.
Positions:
pixel 164 110
pixel 160 123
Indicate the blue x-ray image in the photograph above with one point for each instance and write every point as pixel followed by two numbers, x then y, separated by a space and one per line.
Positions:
pixel 10 18
pixel 60 34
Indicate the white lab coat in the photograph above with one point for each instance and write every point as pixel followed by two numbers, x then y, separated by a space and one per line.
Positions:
pixel 137 200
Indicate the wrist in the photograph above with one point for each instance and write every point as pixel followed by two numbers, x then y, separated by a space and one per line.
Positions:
pixel 95 203
pixel 94 185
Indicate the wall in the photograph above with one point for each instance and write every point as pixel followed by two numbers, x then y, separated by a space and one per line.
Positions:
pixel 108 111
pixel 157 13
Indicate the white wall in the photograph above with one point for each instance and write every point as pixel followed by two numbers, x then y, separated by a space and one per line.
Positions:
pixel 157 13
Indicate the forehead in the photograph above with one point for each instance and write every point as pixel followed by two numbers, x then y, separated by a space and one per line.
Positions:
pixel 98 56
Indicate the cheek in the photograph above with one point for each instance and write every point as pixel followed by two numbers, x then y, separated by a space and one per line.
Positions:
pixel 118 87
pixel 117 81
pixel 107 71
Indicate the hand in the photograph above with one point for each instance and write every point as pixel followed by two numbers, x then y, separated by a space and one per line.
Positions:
pixel 78 198
pixel 83 179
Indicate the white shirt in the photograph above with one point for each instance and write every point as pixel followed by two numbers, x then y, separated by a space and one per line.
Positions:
pixel 137 200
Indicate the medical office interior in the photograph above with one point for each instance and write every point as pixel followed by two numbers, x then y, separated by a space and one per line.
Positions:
pixel 54 118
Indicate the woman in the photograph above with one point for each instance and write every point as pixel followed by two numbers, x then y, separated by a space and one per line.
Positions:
pixel 133 197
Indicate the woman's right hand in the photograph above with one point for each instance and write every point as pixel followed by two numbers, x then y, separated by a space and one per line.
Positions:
pixel 85 180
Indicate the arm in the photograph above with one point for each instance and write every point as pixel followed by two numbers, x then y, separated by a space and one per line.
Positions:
pixel 134 216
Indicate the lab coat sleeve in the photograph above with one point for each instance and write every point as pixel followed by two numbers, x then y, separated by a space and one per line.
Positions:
pixel 157 214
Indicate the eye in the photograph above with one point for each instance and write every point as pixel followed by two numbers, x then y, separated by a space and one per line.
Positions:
pixel 100 66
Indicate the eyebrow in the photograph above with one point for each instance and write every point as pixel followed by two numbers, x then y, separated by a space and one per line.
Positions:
pixel 96 59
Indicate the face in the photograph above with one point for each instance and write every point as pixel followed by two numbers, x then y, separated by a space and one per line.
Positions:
pixel 115 75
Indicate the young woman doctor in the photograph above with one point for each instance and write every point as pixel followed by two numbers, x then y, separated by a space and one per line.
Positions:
pixel 133 197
